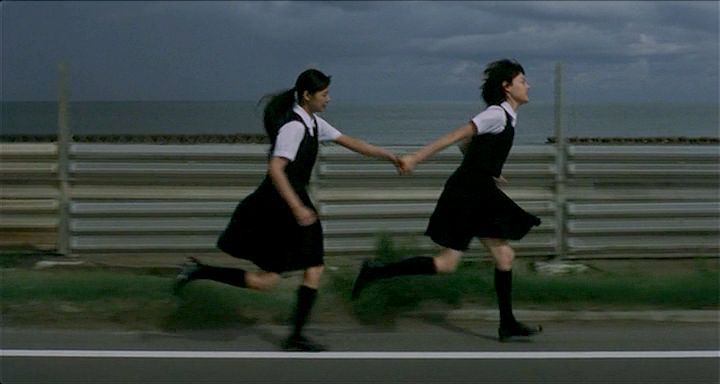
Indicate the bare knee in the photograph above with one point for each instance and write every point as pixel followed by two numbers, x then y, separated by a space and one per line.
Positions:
pixel 501 251
pixel 447 261
pixel 504 256
pixel 261 280
pixel 312 276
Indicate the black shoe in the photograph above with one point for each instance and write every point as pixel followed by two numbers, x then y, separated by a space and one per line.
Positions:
pixel 302 344
pixel 185 276
pixel 506 331
pixel 365 277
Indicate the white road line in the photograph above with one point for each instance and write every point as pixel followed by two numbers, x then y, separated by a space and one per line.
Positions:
pixel 565 355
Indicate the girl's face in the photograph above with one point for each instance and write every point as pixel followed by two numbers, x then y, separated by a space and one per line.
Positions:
pixel 517 91
pixel 317 102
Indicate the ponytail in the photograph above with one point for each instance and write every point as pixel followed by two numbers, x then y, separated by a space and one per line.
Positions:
pixel 279 107
pixel 277 112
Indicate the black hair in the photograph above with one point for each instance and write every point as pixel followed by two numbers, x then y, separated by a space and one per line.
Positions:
pixel 496 73
pixel 278 109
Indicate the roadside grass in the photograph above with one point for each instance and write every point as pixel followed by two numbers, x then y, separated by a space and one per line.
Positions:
pixel 142 299
pixel 473 285
pixel 66 298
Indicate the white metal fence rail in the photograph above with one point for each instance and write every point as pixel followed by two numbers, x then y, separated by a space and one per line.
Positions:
pixel 620 201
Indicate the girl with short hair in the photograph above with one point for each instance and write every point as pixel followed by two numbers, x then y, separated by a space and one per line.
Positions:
pixel 471 205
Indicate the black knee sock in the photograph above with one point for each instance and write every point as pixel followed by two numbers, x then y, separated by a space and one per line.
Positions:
pixel 305 301
pixel 232 276
pixel 419 265
pixel 503 289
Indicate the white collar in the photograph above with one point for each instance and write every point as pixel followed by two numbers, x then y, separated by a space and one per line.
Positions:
pixel 507 107
pixel 309 120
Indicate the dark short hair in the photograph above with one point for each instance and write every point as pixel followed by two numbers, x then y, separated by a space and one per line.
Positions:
pixel 496 73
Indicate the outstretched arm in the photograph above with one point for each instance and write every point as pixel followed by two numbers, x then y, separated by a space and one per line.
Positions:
pixel 410 161
pixel 364 148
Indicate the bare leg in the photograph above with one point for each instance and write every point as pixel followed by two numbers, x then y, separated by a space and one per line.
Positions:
pixel 261 280
pixel 447 260
pixel 312 275
pixel 501 252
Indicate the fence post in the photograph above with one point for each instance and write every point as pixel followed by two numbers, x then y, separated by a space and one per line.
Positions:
pixel 63 145
pixel 560 170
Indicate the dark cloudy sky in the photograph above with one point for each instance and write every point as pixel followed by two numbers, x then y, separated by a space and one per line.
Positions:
pixel 375 51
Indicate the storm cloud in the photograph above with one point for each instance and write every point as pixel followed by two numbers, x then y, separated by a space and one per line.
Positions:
pixel 375 51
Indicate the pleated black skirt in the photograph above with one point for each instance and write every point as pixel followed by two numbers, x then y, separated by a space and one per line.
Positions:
pixel 264 231
pixel 481 210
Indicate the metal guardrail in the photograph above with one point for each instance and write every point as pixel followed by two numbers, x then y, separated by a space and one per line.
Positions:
pixel 620 200
pixel 643 201
pixel 29 195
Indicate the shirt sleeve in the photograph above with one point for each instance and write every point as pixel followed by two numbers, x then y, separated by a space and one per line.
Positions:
pixel 288 140
pixel 492 120
pixel 326 132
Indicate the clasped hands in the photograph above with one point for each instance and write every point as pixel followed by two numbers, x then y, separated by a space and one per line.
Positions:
pixel 404 164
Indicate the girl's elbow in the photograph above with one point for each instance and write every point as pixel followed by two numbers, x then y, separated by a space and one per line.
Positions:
pixel 271 168
pixel 276 166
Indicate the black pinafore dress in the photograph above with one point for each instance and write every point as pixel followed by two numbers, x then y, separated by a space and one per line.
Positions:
pixel 263 229
pixel 471 204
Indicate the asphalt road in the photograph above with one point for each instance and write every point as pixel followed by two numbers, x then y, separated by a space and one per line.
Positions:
pixel 414 351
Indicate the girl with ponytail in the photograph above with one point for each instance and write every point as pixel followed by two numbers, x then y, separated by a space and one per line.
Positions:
pixel 277 227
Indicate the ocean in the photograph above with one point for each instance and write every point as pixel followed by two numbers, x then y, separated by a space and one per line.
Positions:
pixel 386 124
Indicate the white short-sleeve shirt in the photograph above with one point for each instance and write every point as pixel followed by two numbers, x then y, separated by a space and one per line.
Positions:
pixel 291 134
pixel 492 120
